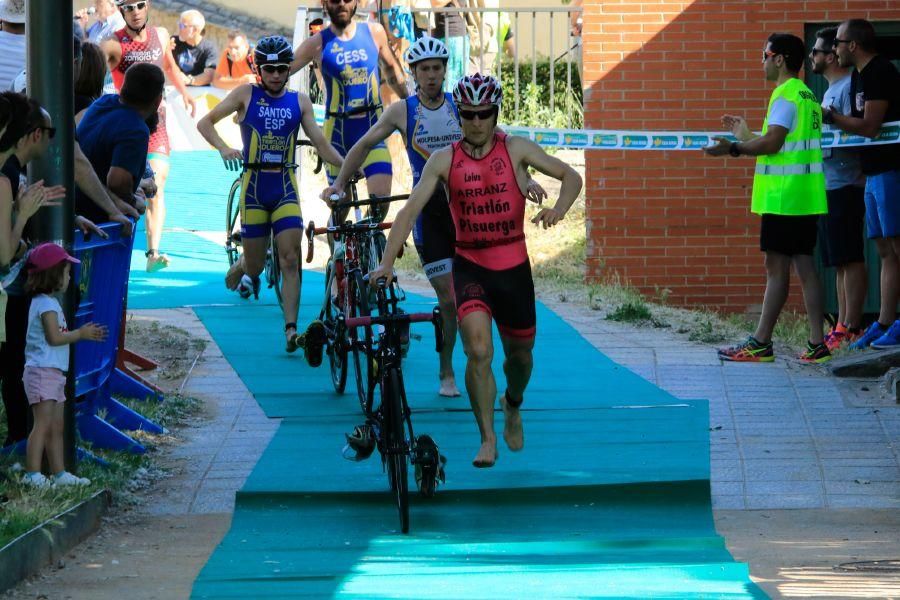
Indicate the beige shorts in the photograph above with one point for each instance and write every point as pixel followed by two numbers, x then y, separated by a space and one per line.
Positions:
pixel 44 384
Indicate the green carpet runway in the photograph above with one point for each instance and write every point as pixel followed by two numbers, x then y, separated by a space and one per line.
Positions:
pixel 609 499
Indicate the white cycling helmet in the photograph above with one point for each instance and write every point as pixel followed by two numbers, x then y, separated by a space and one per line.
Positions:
pixel 427 47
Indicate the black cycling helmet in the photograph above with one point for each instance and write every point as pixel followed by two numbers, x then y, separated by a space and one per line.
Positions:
pixel 273 49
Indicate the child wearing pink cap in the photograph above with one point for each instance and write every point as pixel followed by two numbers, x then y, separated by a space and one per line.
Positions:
pixel 47 360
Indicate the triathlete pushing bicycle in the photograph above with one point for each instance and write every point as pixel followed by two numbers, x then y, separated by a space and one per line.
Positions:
pixel 486 174
pixel 427 121
pixel 270 117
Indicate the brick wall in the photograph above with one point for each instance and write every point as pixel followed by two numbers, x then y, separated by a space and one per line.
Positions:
pixel 680 220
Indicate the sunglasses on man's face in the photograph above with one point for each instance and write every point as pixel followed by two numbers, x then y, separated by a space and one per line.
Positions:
pixel 471 115
pixel 270 69
pixel 133 7
pixel 336 2
pixel 838 42
pixel 815 51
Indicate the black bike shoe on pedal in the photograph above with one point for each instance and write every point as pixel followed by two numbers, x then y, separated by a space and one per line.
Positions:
pixel 314 339
pixel 360 443
pixel 429 465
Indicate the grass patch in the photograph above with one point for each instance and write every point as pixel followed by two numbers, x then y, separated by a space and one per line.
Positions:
pixel 26 507
pixel 22 508
pixel 630 312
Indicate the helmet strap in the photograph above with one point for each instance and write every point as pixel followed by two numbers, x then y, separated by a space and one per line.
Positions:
pixel 138 31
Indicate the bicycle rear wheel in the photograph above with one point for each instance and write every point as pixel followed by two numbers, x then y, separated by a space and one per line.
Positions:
pixel 232 214
pixel 398 446
pixel 337 345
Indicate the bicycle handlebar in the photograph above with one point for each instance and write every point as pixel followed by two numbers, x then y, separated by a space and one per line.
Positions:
pixel 338 230
pixel 434 316
pixel 373 201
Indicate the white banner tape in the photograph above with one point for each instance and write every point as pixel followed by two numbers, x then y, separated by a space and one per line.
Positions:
pixel 602 139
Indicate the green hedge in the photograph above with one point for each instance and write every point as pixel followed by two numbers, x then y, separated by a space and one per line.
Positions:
pixel 543 79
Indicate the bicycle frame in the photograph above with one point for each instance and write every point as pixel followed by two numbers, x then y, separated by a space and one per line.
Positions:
pixel 392 423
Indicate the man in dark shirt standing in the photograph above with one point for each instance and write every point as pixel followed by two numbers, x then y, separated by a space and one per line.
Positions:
pixel 114 135
pixel 196 56
pixel 875 100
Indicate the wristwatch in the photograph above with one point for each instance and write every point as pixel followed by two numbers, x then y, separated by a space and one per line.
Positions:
pixel 190 80
pixel 734 150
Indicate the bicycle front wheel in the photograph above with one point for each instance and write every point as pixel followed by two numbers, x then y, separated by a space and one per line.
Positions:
pixel 232 228
pixel 337 346
pixel 362 342
pixel 398 446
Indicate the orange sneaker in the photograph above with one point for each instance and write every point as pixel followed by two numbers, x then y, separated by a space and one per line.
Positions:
pixel 837 336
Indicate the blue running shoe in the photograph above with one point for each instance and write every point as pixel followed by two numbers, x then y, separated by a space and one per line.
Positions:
pixel 874 332
pixel 891 339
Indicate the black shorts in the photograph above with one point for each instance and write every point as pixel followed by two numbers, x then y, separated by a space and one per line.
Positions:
pixel 788 235
pixel 507 296
pixel 842 230
pixel 435 235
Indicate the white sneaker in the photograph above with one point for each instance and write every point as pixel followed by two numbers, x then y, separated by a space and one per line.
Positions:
pixel 36 480
pixel 66 478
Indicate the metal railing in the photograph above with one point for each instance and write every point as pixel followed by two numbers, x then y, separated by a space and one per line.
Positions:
pixel 551 18
pixel 551 40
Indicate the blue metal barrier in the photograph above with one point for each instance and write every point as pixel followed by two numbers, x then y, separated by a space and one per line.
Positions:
pixel 102 279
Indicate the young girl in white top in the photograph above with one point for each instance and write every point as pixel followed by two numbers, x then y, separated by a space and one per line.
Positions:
pixel 47 360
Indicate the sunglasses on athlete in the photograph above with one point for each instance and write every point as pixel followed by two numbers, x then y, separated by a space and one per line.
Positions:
pixel 133 7
pixel 279 68
pixel 471 115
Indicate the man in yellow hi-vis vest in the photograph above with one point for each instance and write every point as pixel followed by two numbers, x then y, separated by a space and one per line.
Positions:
pixel 788 194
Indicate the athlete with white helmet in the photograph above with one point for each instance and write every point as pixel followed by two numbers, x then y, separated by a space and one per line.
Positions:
pixel 486 188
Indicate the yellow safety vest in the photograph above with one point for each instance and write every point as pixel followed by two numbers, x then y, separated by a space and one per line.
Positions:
pixel 792 181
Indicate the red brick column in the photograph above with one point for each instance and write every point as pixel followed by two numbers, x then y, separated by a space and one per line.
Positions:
pixel 680 220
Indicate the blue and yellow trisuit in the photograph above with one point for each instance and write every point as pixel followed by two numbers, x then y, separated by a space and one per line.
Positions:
pixel 269 195
pixel 352 96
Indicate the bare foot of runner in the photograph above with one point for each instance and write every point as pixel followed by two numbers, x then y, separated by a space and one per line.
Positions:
pixel 448 387
pixel 512 426
pixel 487 455
pixel 292 341
pixel 233 276
pixel 156 262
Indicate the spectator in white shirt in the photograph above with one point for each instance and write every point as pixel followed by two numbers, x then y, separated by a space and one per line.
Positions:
pixel 12 41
